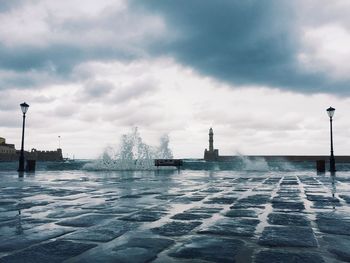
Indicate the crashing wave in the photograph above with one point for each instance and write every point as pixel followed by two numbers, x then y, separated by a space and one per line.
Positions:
pixel 133 154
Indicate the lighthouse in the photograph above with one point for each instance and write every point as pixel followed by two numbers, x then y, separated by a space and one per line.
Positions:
pixel 211 140
pixel 211 154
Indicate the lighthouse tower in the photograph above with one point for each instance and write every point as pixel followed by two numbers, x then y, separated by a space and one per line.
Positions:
pixel 211 154
pixel 211 140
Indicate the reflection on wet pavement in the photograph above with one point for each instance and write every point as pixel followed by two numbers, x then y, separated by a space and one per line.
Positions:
pixel 191 216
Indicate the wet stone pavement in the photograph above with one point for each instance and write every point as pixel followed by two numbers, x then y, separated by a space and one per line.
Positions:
pixel 190 216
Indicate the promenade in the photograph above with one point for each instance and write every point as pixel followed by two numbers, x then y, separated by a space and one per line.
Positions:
pixel 190 216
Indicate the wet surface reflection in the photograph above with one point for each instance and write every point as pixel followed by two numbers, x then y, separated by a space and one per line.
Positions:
pixel 175 216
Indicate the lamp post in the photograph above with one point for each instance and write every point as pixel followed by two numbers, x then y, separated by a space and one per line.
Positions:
pixel 24 108
pixel 330 112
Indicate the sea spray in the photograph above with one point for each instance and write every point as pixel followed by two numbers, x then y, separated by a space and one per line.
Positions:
pixel 256 164
pixel 133 154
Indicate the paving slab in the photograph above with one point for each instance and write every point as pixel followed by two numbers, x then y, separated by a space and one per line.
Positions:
pixel 140 250
pixel 144 216
pixel 31 236
pixel 271 256
pixel 101 233
pixel 213 249
pixel 205 209
pixel 176 228
pixel 189 199
pixel 191 216
pixel 339 246
pixel 221 200
pixel 291 206
pixel 291 236
pixel 333 223
pixel 229 227
pixel 56 251
pixel 241 213
pixel 322 198
pixel 346 198
pixel 67 213
pixel 84 220
pixel 288 219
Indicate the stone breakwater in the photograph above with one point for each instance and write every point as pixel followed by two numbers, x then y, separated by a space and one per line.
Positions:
pixel 190 216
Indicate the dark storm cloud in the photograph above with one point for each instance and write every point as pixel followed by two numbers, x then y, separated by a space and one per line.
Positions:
pixel 60 59
pixel 253 42
pixel 96 89
pixel 64 43
pixel 108 92
pixel 7 5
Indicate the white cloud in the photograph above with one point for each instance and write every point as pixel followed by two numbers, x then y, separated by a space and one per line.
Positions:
pixel 90 24
pixel 326 49
pixel 180 102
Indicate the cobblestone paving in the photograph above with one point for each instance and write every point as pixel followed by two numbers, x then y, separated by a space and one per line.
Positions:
pixel 190 216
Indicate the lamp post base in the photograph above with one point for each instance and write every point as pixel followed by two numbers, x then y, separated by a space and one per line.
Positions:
pixel 21 164
pixel 332 164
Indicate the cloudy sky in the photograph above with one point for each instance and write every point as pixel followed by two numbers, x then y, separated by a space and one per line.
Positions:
pixel 261 72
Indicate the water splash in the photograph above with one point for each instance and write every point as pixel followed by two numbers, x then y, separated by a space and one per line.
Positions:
pixel 133 154
pixel 258 164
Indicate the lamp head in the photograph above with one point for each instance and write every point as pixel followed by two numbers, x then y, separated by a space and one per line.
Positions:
pixel 24 107
pixel 330 112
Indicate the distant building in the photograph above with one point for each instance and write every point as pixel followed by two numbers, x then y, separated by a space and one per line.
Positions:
pixel 8 153
pixel 6 148
pixel 45 155
pixel 211 154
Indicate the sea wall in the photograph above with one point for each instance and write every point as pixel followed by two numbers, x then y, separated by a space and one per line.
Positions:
pixel 289 158
pixel 40 156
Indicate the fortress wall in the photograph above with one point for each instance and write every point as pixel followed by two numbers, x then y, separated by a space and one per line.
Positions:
pixel 41 156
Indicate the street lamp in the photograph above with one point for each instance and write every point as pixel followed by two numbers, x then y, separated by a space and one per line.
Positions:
pixel 330 112
pixel 24 108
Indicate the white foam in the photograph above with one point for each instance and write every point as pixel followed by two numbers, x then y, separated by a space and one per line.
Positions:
pixel 133 154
